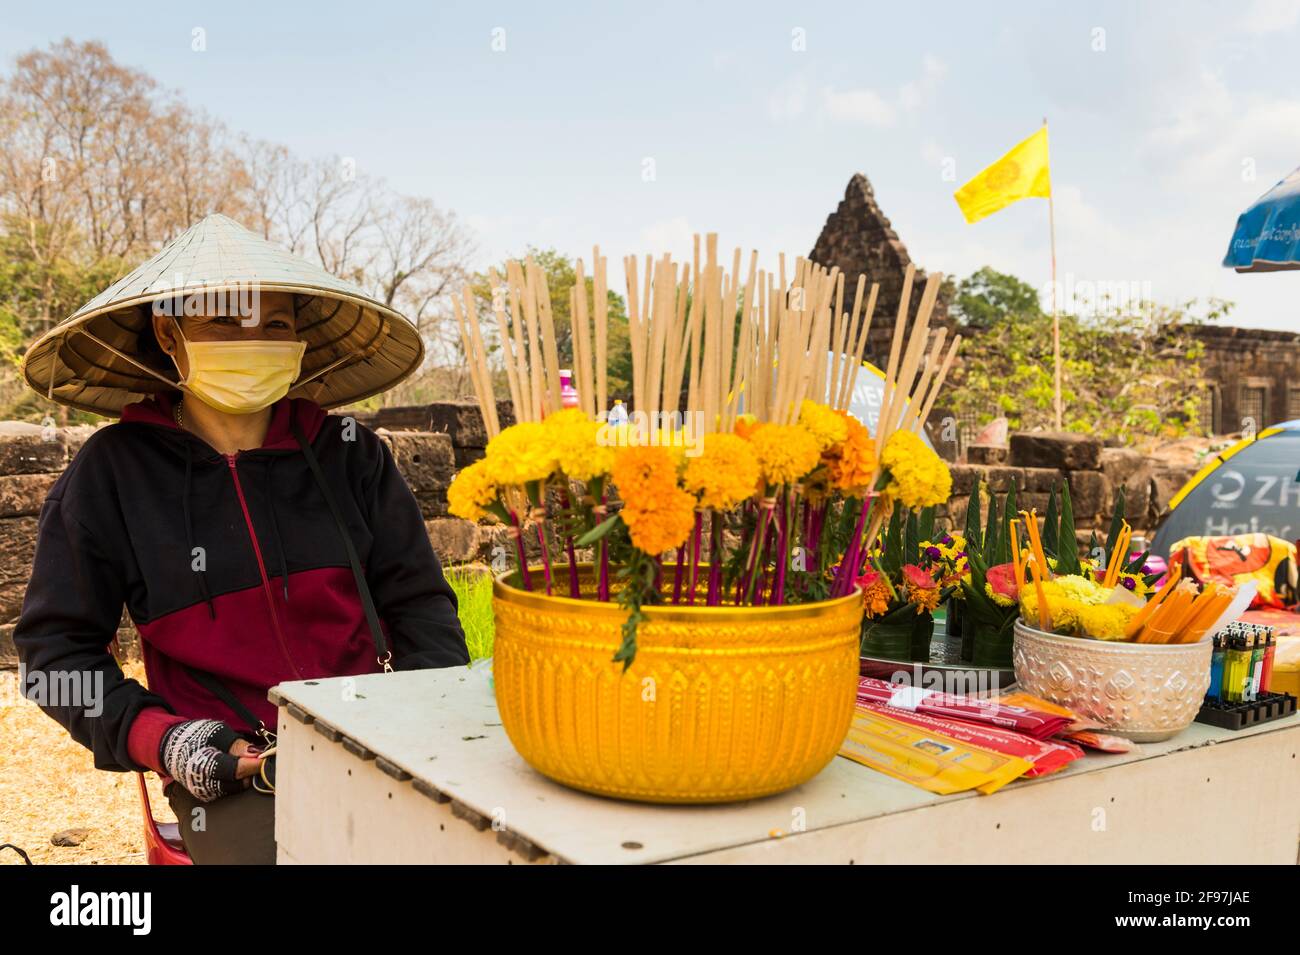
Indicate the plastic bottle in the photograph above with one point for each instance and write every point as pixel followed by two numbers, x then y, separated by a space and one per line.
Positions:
pixel 568 394
pixel 617 414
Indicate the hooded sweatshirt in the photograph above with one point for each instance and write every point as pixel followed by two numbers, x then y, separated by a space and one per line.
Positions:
pixel 228 564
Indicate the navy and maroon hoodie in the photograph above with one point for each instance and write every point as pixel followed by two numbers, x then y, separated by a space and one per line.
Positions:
pixel 228 564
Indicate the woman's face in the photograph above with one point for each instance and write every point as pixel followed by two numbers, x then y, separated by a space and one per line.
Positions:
pixel 271 318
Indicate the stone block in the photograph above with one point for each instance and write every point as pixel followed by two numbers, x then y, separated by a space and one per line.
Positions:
pixel 454 541
pixel 1165 483
pixel 1055 449
pixel 988 454
pixel 31 449
pixel 467 456
pixel 1041 480
pixel 23 494
pixel 1120 464
pixel 1090 498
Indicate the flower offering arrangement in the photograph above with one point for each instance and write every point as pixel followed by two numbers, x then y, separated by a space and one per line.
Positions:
pixel 739 478
pixel 708 648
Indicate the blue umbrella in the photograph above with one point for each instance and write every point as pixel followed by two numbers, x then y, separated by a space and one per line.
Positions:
pixel 1267 238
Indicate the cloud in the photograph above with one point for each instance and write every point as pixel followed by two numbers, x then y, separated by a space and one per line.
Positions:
pixel 669 235
pixel 918 93
pixel 862 106
pixel 857 106
pixel 789 100
pixel 1216 140
pixel 1271 16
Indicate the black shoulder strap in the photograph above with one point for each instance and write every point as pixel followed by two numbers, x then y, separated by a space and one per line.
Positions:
pixel 383 656
pixel 218 689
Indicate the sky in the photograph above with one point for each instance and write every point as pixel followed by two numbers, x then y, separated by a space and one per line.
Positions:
pixel 636 125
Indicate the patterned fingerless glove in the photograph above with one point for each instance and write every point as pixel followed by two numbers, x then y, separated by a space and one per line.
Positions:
pixel 194 753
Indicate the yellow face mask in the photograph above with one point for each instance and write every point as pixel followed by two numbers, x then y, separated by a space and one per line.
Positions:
pixel 241 377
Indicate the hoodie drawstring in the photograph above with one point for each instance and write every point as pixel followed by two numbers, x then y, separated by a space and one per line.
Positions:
pixel 275 528
pixel 189 534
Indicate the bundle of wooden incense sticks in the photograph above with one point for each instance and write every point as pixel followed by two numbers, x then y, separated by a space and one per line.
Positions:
pixel 705 343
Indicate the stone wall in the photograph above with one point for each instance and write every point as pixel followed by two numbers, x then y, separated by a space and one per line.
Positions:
pixel 1249 368
pixel 1095 474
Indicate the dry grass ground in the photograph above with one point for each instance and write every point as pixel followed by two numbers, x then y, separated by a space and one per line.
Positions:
pixel 48 784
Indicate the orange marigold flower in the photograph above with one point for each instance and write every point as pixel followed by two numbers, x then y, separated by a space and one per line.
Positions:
pixel 853 465
pixel 875 593
pixel 643 471
pixel 661 521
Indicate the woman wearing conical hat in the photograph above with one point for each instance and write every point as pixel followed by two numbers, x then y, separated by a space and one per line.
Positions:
pixel 253 538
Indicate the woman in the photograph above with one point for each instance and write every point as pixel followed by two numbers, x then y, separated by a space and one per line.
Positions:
pixel 252 538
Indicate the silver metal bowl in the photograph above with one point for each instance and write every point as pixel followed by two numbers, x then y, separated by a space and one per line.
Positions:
pixel 1145 692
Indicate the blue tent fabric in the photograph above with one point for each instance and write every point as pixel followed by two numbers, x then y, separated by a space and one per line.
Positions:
pixel 1255 490
pixel 1267 237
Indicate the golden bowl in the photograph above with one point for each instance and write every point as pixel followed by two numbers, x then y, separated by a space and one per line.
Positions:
pixel 1146 692
pixel 721 704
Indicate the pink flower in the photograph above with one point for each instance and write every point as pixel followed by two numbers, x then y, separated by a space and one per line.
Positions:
pixel 868 578
pixel 918 578
pixel 1002 580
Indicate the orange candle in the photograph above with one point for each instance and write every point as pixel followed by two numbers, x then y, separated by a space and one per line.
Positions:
pixel 1044 614
pixel 1016 556
pixel 1153 604
pixel 1036 542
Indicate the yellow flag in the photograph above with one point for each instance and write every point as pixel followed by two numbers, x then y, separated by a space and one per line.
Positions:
pixel 1021 173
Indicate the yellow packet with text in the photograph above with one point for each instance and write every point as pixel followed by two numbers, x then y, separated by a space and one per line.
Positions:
pixel 932 761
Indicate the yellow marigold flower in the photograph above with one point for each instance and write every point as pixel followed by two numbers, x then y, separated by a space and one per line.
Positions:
pixel 785 452
pixel 724 473
pixel 1105 621
pixel 471 491
pixel 1064 611
pixel 578 445
pixel 917 476
pixel 660 521
pixel 853 468
pixel 1081 589
pixel 521 453
pixel 824 423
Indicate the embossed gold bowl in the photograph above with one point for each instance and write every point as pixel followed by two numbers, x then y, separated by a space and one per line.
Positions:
pixel 1146 692
pixel 721 704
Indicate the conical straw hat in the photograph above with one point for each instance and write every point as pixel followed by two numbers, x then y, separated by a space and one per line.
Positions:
pixel 356 346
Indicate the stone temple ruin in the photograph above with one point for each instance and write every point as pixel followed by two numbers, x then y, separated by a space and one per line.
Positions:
pixel 859 239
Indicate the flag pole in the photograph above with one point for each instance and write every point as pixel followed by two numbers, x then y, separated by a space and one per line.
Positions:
pixel 1056 319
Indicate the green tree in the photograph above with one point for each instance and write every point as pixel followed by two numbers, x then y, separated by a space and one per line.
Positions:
pixel 561 278
pixel 987 295
pixel 30 288
pixel 1129 371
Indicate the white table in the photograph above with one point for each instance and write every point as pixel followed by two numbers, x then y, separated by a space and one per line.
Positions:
pixel 416 768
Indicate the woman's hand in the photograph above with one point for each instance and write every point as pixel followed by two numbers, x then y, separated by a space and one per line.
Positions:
pixel 208 758
pixel 248 757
